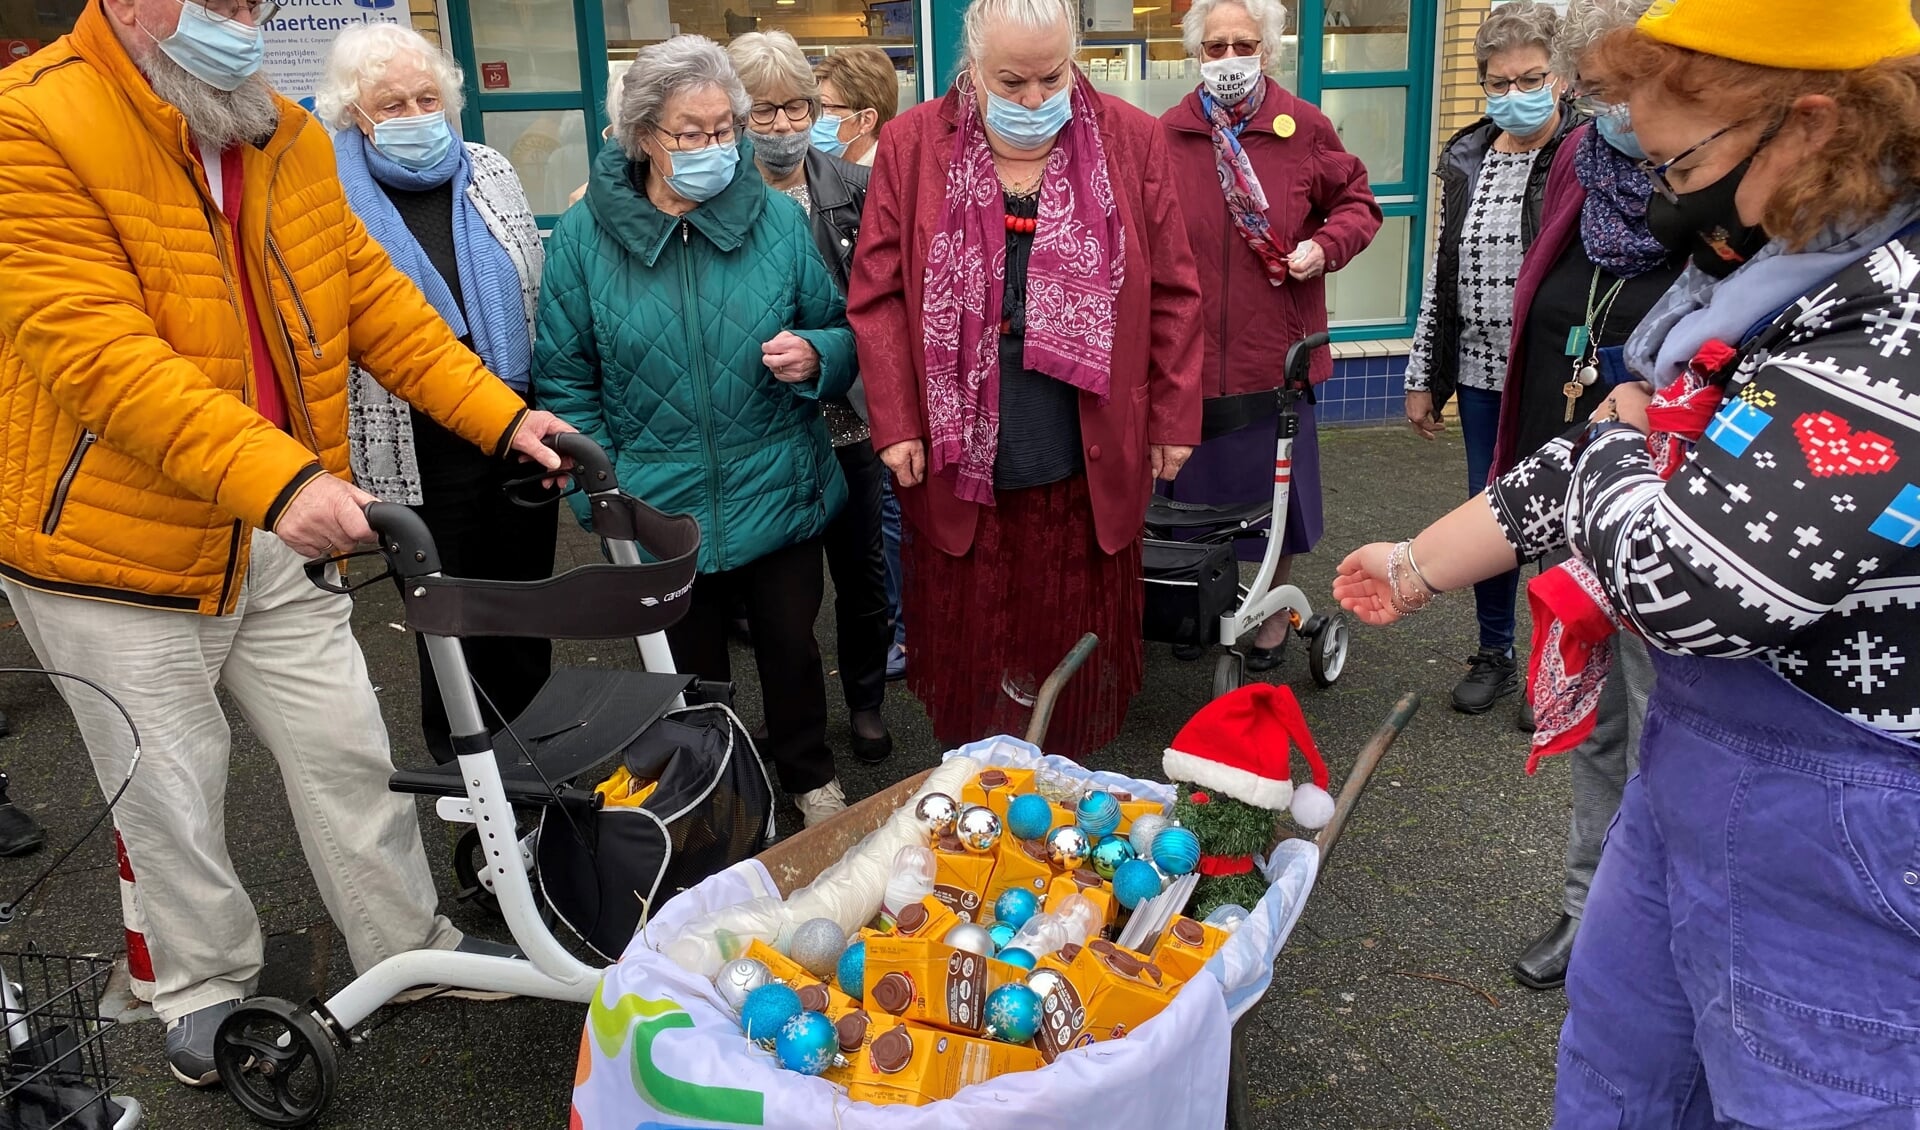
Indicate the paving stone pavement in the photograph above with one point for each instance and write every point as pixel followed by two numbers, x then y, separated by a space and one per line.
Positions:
pixel 1392 1007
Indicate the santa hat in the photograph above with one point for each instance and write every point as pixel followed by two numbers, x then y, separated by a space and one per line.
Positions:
pixel 1238 745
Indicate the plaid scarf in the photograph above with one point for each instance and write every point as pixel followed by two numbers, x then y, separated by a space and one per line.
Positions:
pixel 1073 280
pixel 1246 200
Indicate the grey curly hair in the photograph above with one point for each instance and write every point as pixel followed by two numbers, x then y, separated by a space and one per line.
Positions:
pixel 1586 23
pixel 1511 27
pixel 1271 15
pixel 664 70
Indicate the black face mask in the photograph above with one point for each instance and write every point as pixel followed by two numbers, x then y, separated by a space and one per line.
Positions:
pixel 1706 225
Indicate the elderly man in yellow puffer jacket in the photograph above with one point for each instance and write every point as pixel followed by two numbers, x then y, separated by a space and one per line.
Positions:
pixel 184 289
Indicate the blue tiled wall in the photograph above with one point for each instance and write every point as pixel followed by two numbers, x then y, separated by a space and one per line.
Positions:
pixel 1364 390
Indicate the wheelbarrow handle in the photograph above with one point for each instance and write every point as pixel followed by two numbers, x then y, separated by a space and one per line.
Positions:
pixel 1056 682
pixel 1363 767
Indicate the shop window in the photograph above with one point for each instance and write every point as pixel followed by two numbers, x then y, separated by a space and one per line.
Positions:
pixel 28 25
pixel 548 149
pixel 1372 289
pixel 525 46
pixel 1134 51
pixel 1366 35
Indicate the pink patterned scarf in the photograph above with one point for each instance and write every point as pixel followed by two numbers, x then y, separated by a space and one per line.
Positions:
pixel 1246 200
pixel 1073 279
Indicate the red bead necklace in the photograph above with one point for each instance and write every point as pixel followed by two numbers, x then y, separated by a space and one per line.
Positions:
pixel 1026 225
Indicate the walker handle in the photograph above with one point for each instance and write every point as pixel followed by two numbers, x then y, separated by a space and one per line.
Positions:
pixel 1300 362
pixel 592 468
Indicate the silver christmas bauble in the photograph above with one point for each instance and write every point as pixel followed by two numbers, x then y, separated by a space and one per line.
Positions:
pixel 1068 847
pixel 978 828
pixel 738 978
pixel 937 813
pixel 1044 981
pixel 1142 831
pixel 972 937
pixel 817 945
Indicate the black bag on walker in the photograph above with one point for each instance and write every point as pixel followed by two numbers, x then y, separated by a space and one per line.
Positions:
pixel 1190 585
pixel 603 869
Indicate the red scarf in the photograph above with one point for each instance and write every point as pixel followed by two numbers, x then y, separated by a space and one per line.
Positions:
pixel 1573 622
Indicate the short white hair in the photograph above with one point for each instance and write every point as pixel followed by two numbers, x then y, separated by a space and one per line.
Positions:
pixel 768 60
pixel 1271 15
pixel 362 54
pixel 1030 15
pixel 665 70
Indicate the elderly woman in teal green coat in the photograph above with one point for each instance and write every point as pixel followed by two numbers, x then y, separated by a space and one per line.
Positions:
pixel 689 325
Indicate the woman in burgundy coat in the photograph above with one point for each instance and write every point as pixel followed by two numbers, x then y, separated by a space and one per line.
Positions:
pixel 1025 305
pixel 1272 204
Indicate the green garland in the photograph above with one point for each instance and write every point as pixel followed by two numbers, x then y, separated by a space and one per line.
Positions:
pixel 1226 827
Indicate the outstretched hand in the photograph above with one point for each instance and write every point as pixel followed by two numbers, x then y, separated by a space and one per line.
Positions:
pixel 1361 585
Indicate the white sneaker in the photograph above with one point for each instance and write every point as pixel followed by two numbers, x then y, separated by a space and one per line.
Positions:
pixel 821 803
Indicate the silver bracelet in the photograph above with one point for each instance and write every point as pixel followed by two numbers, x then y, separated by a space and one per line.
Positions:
pixel 1417 574
pixel 1402 603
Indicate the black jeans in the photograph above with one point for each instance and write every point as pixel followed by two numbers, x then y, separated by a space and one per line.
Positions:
pixel 782 593
pixel 857 558
pixel 481 533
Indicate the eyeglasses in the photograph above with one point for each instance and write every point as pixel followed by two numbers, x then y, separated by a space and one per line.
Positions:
pixel 689 140
pixel 1658 173
pixel 1499 85
pixel 836 109
pixel 1221 48
pixel 258 12
pixel 764 113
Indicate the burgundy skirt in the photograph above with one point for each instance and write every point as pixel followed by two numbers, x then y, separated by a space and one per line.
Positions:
pixel 990 626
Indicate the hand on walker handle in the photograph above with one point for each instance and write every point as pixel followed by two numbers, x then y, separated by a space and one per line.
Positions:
pixel 327 518
pixel 1167 459
pixel 907 460
pixel 1361 585
pixel 530 443
pixel 1425 422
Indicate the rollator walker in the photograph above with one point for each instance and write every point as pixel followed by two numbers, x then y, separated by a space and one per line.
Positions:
pixel 1194 594
pixel 711 806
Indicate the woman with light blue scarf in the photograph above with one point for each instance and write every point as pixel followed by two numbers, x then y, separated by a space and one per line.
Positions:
pixel 455 219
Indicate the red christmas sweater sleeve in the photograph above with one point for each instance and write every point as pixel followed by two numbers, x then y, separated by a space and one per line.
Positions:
pixel 1792 530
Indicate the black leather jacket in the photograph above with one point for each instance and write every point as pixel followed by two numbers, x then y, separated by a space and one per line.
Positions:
pixel 839 191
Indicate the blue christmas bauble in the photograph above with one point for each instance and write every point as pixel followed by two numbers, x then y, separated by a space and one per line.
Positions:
pixel 1098 813
pixel 1014 955
pixel 1015 906
pixel 1134 882
pixel 807 1044
pixel 767 1010
pixel 1013 1013
pixel 1109 855
pixel 1001 933
pixel 1142 831
pixel 1176 850
pixel 1029 816
pixel 851 973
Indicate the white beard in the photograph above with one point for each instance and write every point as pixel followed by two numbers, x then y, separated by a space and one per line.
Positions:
pixel 216 118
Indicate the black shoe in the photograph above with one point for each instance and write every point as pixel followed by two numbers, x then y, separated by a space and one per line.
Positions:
pixel 1267 658
pixel 1188 652
pixel 1525 718
pixel 876 749
pixel 1491 676
pixel 19 833
pixel 1544 965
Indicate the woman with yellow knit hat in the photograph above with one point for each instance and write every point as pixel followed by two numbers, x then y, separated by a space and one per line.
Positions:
pixel 1750 955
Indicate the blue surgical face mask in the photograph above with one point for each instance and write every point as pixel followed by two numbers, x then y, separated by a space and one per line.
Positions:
pixel 699 174
pixel 825 135
pixel 1523 113
pixel 1029 129
pixel 419 142
pixel 1616 129
pixel 221 53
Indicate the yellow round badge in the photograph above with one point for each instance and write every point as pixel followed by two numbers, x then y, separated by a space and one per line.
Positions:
pixel 1283 126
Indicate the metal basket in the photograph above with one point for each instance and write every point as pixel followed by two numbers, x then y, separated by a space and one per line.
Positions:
pixel 56 1072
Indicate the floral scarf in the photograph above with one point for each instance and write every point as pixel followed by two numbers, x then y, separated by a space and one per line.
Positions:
pixel 1073 280
pixel 1613 221
pixel 1246 200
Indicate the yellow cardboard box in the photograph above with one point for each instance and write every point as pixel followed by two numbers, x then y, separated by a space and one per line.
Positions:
pixel 915 1065
pixel 960 878
pixel 1084 882
pixel 1018 863
pixel 996 788
pixel 1186 945
pixel 933 983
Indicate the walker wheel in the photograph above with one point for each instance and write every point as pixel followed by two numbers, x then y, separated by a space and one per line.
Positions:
pixel 1228 674
pixel 277 1062
pixel 469 864
pixel 1328 655
pixel 1313 626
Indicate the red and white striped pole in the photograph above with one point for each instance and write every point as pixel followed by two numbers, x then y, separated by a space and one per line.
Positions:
pixel 139 960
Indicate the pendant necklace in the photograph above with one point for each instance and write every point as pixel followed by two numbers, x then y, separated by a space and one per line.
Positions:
pixel 1583 343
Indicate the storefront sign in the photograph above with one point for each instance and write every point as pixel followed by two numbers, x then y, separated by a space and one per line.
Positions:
pixel 299 38
pixel 493 75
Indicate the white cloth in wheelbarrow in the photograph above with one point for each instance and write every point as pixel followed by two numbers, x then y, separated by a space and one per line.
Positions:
pixel 660 1048
pixel 602 871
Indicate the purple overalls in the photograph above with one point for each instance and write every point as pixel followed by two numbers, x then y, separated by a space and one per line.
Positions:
pixel 1750 955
